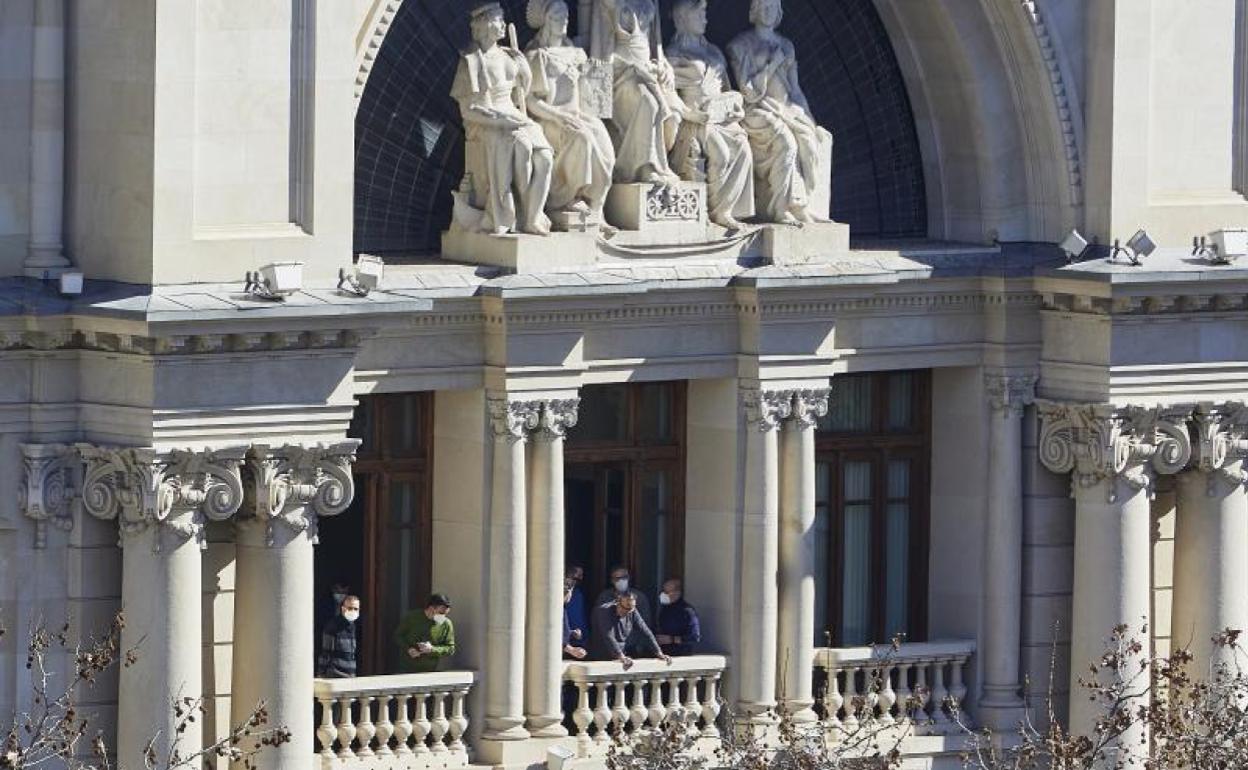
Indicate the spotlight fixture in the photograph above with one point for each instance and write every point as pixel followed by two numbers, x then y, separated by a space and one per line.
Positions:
pixel 365 276
pixel 1222 247
pixel 1136 249
pixel 1074 246
pixel 275 281
pixel 70 283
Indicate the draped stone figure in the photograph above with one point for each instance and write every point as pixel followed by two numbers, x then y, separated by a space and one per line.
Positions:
pixel 508 160
pixel 646 109
pixel 785 138
pixel 584 156
pixel 711 129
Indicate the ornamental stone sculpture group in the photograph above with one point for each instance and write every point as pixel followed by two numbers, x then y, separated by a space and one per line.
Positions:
pixel 550 129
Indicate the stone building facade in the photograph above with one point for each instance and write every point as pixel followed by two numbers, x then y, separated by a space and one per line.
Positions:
pixel 939 429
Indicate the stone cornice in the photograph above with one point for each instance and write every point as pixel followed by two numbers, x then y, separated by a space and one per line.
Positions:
pixel 1145 305
pixel 1010 394
pixel 182 344
pixel 294 486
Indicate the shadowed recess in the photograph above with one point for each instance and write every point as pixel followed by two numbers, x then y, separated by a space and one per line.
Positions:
pixel 409 139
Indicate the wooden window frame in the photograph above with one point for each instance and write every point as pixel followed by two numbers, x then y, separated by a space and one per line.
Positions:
pixel 878 446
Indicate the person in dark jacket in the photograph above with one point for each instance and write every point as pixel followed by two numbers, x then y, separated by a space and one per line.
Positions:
pixel 340 643
pixel 677 627
pixel 573 638
pixel 620 633
pixel 576 609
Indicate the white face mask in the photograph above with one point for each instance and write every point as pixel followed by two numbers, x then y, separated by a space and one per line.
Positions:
pixel 621 585
pixel 665 599
pixel 351 615
pixel 440 618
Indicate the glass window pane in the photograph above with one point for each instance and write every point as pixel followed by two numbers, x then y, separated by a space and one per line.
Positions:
pixel 401 572
pixel 849 407
pixel 655 420
pixel 614 496
pixel 822 527
pixel 856 537
pixel 901 401
pixel 897 548
pixel 654 512
pixel 603 415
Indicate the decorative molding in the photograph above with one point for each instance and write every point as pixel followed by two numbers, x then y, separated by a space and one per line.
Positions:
pixel 377 26
pixel 295 485
pixel 1009 395
pixel 1066 109
pixel 557 416
pixel 1151 305
pixel 47 490
pixel 921 303
pixel 512 420
pixel 809 405
pixel 180 345
pixel 1101 442
pixel 1221 432
pixel 765 410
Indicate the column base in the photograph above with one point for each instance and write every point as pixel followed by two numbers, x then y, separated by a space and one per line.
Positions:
pixel 546 727
pixel 518 755
pixel 1001 710
pixel 801 712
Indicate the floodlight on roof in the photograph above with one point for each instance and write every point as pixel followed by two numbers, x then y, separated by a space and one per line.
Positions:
pixel 364 276
pixel 1222 247
pixel 275 281
pixel 1138 247
pixel 1074 246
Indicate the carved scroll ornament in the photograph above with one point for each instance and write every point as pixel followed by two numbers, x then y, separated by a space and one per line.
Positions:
pixel 294 486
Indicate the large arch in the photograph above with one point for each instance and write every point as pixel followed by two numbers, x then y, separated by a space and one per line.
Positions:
pixel 952 120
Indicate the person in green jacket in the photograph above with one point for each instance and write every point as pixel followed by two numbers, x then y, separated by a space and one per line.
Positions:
pixel 426 636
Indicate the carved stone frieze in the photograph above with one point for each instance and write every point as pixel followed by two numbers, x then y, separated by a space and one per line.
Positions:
pixel 1221 442
pixel 1010 394
pixel 557 416
pixel 127 344
pixel 294 486
pixel 1101 442
pixel 47 490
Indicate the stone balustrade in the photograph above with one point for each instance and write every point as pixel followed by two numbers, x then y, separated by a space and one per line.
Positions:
pixel 876 684
pixel 645 697
pixel 412 721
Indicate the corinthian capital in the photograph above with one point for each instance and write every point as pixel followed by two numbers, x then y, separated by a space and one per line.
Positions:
pixel 766 409
pixel 178 491
pixel 1221 441
pixel 513 420
pixel 556 417
pixel 809 405
pixel 1009 394
pixel 296 485
pixel 1100 442
pixel 47 491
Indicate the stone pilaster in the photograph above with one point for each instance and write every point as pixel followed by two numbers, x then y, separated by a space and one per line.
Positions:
pixel 1001 705
pixel 1112 454
pixel 797 553
pixel 287 490
pixel 544 627
pixel 47 142
pixel 765 411
pixel 1211 536
pixel 510 424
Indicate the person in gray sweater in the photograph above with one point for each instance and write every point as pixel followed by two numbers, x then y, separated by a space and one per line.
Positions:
pixel 620 632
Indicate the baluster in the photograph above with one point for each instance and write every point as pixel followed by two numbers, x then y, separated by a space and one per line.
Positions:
pixel 619 711
pixel 887 696
pixel 326 733
pixel 957 689
pixel 693 709
pixel 459 723
pixel 657 712
pixel 602 714
pixel 850 721
pixel 637 713
pixel 870 692
pixel 402 729
pixel 710 706
pixel 922 694
pixel 833 702
pixel 440 724
pixel 365 730
pixel 675 709
pixel 421 727
pixel 904 704
pixel 385 728
pixel 346 729
pixel 583 717
pixel 939 695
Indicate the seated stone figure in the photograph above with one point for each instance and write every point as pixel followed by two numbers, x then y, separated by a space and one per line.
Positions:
pixel 508 160
pixel 785 138
pixel 711 130
pixel 584 157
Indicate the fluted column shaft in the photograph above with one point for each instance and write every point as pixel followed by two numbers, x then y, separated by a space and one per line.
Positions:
pixel 797 555
pixel 47 141
pixel 1001 704
pixel 544 628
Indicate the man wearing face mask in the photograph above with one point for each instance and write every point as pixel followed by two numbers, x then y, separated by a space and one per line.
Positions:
pixel 339 642
pixel 621 584
pixel 426 636
pixel 678 629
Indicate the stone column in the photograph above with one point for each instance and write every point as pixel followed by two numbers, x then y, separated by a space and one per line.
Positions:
pixel 1211 538
pixel 161 502
pixel 288 489
pixel 510 423
pixel 1001 705
pixel 47 142
pixel 797 554
pixel 760 530
pixel 544 626
pixel 1112 453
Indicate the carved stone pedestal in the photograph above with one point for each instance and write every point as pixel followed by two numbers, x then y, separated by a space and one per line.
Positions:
pixel 522 253
pixel 663 215
pixel 793 245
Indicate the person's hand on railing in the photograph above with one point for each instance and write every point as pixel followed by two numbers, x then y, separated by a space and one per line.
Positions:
pixel 626 661
pixel 666 659
pixel 578 653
